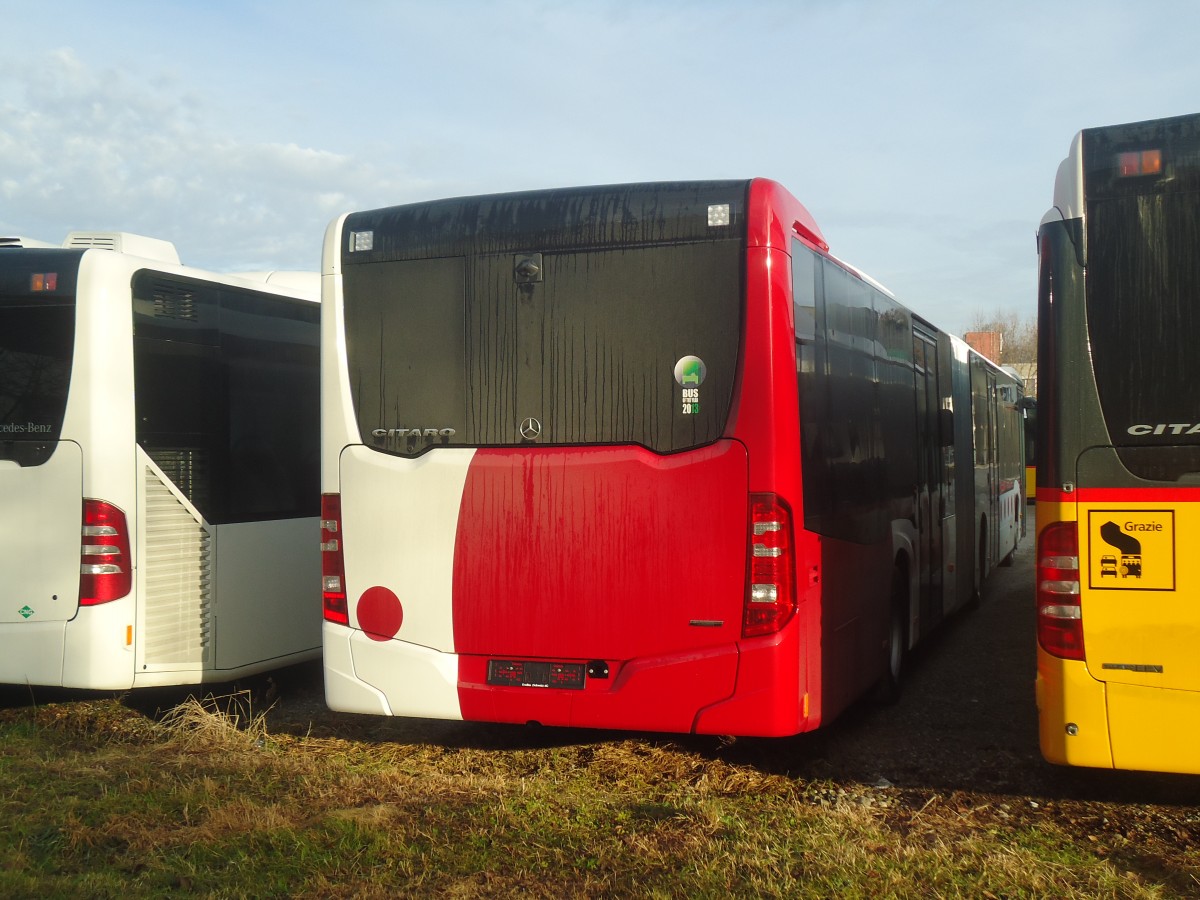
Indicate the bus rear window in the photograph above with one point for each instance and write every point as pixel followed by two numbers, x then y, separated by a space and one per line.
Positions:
pixel 37 339
pixel 632 339
pixel 1142 319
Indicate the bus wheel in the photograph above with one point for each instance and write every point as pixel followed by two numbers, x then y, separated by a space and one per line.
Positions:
pixel 983 554
pixel 887 688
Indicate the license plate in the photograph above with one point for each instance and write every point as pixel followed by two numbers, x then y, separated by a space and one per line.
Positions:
pixel 527 673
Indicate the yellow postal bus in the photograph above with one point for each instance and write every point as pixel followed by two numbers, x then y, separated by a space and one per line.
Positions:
pixel 1118 480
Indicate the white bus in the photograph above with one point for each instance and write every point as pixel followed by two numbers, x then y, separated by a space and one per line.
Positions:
pixel 159 466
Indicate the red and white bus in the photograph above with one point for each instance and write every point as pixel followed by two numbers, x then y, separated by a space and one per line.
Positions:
pixel 644 457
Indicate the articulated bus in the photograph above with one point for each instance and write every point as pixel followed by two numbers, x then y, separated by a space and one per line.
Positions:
pixel 1118 483
pixel 159 466
pixel 641 457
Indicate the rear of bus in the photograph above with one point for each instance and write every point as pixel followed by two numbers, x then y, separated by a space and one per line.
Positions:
pixel 61 555
pixel 560 461
pixel 1119 442
pixel 141 543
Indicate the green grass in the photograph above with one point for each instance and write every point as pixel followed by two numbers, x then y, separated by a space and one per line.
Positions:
pixel 99 801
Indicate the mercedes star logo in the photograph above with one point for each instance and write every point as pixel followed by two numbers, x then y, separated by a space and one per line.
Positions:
pixel 531 429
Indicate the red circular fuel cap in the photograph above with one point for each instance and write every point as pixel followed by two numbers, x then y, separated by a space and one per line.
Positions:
pixel 379 613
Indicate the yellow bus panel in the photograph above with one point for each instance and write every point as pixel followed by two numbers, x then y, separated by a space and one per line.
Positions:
pixel 1154 729
pixel 1140 588
pixel 1073 716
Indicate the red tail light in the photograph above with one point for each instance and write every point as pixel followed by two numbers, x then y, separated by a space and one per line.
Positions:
pixel 333 565
pixel 105 564
pixel 771 583
pixel 1060 613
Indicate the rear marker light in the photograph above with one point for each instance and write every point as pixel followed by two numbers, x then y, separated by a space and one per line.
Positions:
pixel 770 588
pixel 1139 162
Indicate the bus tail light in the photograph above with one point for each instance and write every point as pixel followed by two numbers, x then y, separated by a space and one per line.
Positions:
pixel 771 583
pixel 333 565
pixel 105 563
pixel 1059 610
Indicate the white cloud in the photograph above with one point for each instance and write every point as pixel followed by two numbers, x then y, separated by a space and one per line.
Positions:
pixel 100 149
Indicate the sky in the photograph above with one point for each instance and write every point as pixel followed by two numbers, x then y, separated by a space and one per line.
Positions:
pixel 923 136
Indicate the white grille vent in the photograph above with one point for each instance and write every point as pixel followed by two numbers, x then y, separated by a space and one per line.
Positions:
pixel 177 563
pixel 123 242
pixel 79 240
pixel 20 242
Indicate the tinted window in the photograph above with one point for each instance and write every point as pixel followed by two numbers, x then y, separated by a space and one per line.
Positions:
pixel 1142 182
pixel 855 370
pixel 37 341
pixel 472 318
pixel 226 387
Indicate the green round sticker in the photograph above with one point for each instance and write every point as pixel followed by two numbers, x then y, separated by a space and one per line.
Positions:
pixel 690 371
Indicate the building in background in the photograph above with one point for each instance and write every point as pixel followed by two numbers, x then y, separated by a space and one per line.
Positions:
pixel 987 343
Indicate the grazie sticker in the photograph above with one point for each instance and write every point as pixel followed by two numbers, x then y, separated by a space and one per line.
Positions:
pixel 1131 550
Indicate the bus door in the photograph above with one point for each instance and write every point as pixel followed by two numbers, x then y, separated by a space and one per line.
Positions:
pixel 993 470
pixel 931 500
pixel 987 467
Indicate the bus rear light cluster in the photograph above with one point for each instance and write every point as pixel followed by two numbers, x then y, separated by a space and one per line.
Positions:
pixel 1059 610
pixel 771 582
pixel 105 563
pixel 333 565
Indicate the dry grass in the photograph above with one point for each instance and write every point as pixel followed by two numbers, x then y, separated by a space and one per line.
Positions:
pixel 215 723
pixel 208 802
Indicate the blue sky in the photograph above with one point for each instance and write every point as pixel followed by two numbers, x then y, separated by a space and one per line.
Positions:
pixel 923 136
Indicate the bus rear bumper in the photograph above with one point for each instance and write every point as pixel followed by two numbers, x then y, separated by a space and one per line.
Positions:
pixel 92 651
pixel 32 653
pixel 662 693
pixel 1108 725
pixel 387 678
pixel 748 689
pixel 1154 729
pixel 1072 714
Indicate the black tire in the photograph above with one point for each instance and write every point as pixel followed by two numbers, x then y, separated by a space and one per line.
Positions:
pixel 981 564
pixel 887 688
